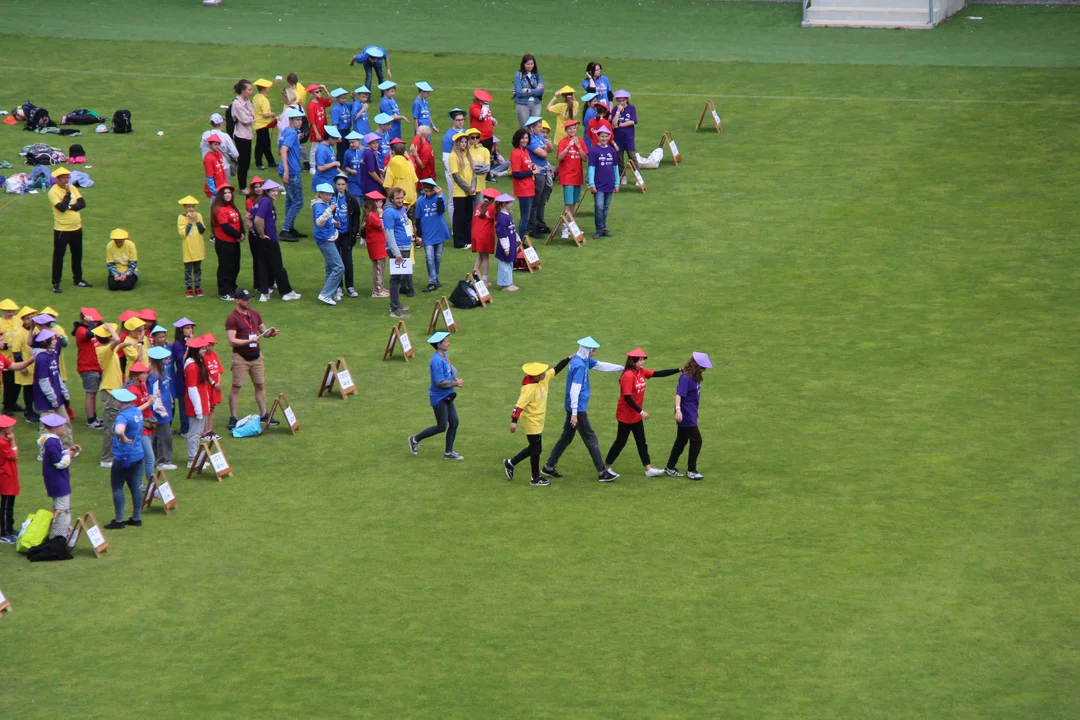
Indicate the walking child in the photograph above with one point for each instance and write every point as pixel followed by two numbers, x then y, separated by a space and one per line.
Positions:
pixel 630 410
pixel 687 396
pixel 191 228
pixel 531 410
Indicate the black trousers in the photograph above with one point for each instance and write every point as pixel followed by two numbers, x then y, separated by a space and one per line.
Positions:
pixel 625 429
pixel 531 451
pixel 273 269
pixel 344 246
pixel 228 266
pixel 7 514
pixel 446 420
pixel 588 436
pixel 126 284
pixel 262 148
pixel 11 391
pixel 463 210
pixel 255 247
pixel 62 240
pixel 243 147
pixel 683 436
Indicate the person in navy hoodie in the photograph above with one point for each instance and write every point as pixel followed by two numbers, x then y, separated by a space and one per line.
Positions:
pixel 577 406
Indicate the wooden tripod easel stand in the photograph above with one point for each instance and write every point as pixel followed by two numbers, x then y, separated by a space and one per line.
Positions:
pixel 633 169
pixel 215 456
pixel 442 312
pixel 670 140
pixel 88 525
pixel 281 402
pixel 710 108
pixel 161 486
pixel 566 220
pixel 532 258
pixel 399 335
pixel 338 371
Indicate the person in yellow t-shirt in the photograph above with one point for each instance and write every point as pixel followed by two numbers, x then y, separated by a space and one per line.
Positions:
pixel 567 108
pixel 531 409
pixel 191 228
pixel 9 338
pixel 112 378
pixel 293 82
pixel 264 120
pixel 67 204
pixel 400 172
pixel 122 261
pixel 134 345
pixel 24 338
pixel 464 190
pixel 481 160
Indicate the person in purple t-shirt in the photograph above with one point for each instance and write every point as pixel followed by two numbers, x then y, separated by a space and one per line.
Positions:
pixel 603 178
pixel 371 176
pixel 273 270
pixel 624 120
pixel 686 416
pixel 54 471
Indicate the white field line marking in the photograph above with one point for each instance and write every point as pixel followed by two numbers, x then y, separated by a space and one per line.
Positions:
pixel 723 96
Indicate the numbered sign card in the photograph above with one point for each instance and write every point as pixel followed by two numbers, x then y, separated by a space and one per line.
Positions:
pixel 670 140
pixel 480 288
pixel 88 525
pixel 442 312
pixel 211 452
pixel 532 258
pixel 338 371
pixel 404 266
pixel 399 335
pixel 160 489
pixel 282 403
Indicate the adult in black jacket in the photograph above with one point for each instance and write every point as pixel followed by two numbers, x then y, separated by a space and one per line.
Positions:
pixel 347 238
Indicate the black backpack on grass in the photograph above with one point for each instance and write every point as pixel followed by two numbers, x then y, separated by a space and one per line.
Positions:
pixel 121 121
pixel 82 116
pixel 462 297
pixel 38 119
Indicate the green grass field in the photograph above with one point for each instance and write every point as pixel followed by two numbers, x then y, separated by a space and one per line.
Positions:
pixel 879 253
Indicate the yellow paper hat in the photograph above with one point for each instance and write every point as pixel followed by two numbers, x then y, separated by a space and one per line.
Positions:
pixel 9 304
pixel 534 368
pixel 566 90
pixel 119 234
pixel 27 310
pixel 104 330
pixel 60 171
pixel 263 82
pixel 544 124
pixel 188 200
pixel 50 311
pixel 133 324
pixel 458 136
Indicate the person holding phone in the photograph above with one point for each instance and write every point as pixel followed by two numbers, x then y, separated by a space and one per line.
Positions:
pixel 245 330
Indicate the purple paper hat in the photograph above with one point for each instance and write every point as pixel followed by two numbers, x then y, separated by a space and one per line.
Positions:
pixel 44 336
pixel 183 322
pixel 621 94
pixel 43 319
pixel 270 185
pixel 702 359
pixel 53 420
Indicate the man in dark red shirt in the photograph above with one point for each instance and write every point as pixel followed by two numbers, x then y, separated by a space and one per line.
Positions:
pixel 245 330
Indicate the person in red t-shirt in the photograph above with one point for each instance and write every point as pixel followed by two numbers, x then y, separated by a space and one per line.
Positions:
pixel 522 171
pixel 480 117
pixel 423 158
pixel 483 232
pixel 228 233
pixel 213 167
pixel 573 156
pixel 87 363
pixel 600 119
pixel 630 411
pixel 9 477
pixel 139 373
pixel 375 237
pixel 316 115
pixel 213 373
pixel 196 394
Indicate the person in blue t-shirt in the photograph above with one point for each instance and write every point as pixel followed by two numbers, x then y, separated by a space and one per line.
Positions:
pixel 597 82
pixel 360 110
pixel 341 116
pixel 430 214
pixel 373 57
pixel 327 226
pixel 420 111
pixel 326 163
pixel 348 218
pixel 389 106
pixel 539 147
pixel 399 246
pixel 127 453
pixel 577 406
pixel 290 170
pixel 441 395
pixel 589 99
pixel 353 164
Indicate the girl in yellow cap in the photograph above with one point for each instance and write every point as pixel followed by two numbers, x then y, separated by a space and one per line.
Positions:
pixel 264 120
pixel 191 228
pixel 10 334
pixel 122 260
pixel 531 409
pixel 565 108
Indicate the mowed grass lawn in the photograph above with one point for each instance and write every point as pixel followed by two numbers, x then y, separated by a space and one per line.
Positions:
pixel 888 524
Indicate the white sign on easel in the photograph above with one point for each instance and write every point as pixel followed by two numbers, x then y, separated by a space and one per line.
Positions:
pixel 217 460
pixel 345 379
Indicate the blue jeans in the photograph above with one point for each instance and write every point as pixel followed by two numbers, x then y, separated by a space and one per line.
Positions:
pixel 148 457
pixel 506 273
pixel 370 65
pixel 335 269
pixel 294 200
pixel 525 209
pixel 601 204
pixel 433 253
pixel 120 476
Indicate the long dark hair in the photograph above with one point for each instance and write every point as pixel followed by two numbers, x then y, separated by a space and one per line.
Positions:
pixel 178 335
pixel 219 202
pixel 692 369
pixel 526 58
pixel 193 353
pixel 518 134
pixel 592 66
pixel 370 206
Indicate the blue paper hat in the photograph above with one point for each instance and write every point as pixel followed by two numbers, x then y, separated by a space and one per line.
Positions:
pixel 384 119
pixel 386 85
pixel 354 136
pixel 425 87
pixel 456 111
pixel 362 89
pixel 158 353
pixel 122 395
pixel 338 92
pixel 330 130
pixel 438 337
pixel 324 188
pixel 588 342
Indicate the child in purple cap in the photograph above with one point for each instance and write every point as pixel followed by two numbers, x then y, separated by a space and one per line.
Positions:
pixel 506 242
pixel 55 461
pixel 50 392
pixel 624 120
pixel 686 416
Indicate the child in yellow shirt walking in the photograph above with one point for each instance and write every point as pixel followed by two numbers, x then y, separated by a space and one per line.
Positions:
pixel 531 408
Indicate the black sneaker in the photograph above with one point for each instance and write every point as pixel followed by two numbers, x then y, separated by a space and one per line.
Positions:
pixel 232 422
pixel 608 476
pixel 57 289
pixel 509 468
pixel 414 445
pixel 438 284
pixel 115 525
pixel 83 283
pixel 430 287
pixel 550 472
pixel 410 293
pixel 32 418
pixel 540 482
pixel 298 234
pixel 267 420
pixel 605 233
pixel 133 521
pixel 288 236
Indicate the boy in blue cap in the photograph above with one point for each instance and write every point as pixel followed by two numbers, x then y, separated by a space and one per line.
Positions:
pixel 360 110
pixel 372 58
pixel 341 116
pixel 577 405
pixel 430 214
pixel 389 106
pixel 326 161
pixel 290 169
pixel 384 122
pixel 420 111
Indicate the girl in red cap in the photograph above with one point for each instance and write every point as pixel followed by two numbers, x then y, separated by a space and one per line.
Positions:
pixel 213 374
pixel 375 239
pixel 196 394
pixel 630 411
pixel 9 479
pixel 480 117
pixel 483 232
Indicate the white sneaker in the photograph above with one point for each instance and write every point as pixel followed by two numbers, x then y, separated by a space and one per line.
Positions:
pixel 106 464
pixel 353 293
pixel 291 296
pixel 167 466
pixel 654 472
pixel 263 297
pixel 338 294
pixel 565 233
pixel 323 298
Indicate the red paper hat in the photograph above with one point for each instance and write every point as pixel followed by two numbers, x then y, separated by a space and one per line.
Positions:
pixel 208 337
pixel 7 421
pixel 482 95
pixel 490 193
pixel 127 315
pixel 138 368
pixel 91 313
pixel 148 314
pixel 636 353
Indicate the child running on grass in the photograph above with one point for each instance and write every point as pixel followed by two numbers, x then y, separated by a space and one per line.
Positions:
pixel 531 409
pixel 686 416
